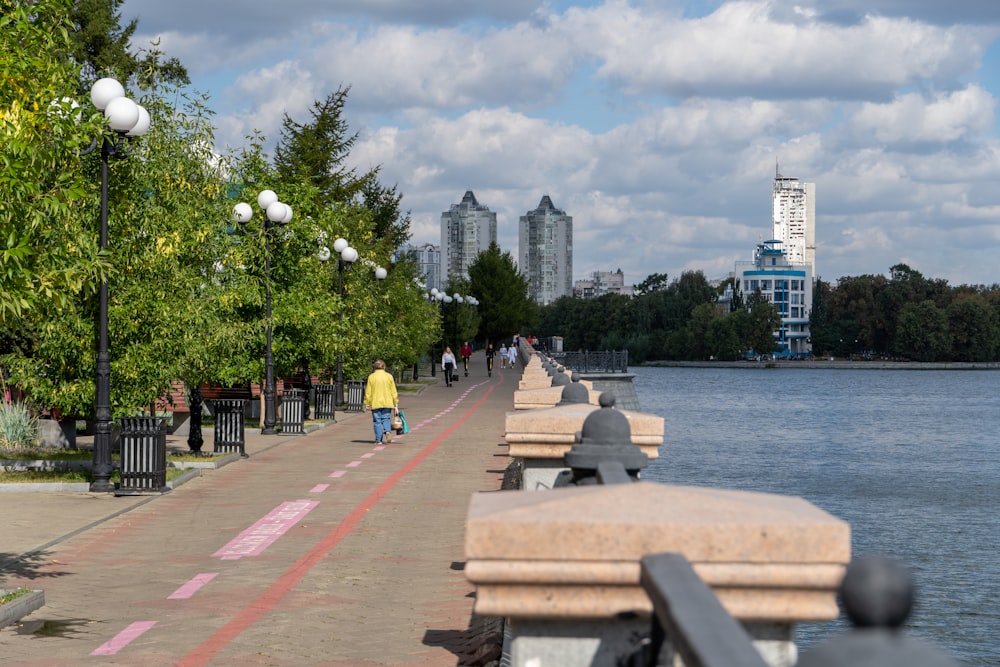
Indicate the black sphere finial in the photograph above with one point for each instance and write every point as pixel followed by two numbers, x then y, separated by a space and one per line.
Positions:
pixel 877 592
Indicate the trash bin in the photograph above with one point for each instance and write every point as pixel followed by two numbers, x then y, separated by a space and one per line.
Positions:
pixel 143 463
pixel 229 432
pixel 355 396
pixel 293 403
pixel 326 401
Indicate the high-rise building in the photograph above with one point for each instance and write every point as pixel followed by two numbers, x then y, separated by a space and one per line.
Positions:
pixel 786 284
pixel 428 258
pixel 600 283
pixel 545 249
pixel 467 229
pixel 794 218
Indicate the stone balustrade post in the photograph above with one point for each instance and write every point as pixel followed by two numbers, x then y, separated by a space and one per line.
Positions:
pixel 563 568
pixel 542 437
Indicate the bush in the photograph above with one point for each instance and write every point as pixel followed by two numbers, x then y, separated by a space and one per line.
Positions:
pixel 18 427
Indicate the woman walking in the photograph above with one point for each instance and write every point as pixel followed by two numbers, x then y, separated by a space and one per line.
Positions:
pixel 381 398
pixel 448 364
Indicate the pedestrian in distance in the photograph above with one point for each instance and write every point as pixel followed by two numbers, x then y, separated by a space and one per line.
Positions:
pixel 503 356
pixel 466 352
pixel 382 399
pixel 512 355
pixel 490 353
pixel 448 365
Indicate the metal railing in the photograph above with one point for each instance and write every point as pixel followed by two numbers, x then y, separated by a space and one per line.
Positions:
pixel 606 361
pixel 685 609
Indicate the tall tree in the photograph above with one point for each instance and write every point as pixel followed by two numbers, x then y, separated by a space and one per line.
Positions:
pixel 101 46
pixel 46 254
pixel 505 307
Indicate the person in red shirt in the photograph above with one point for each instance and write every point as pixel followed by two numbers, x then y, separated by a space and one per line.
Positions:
pixel 466 352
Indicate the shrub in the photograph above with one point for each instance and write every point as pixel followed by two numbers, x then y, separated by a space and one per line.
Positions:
pixel 18 427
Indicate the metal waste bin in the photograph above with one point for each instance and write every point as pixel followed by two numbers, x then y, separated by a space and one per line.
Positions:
pixel 230 427
pixel 293 403
pixel 326 401
pixel 355 396
pixel 143 456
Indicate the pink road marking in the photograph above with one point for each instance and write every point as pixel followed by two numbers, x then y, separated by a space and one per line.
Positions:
pixel 262 534
pixel 380 448
pixel 191 587
pixel 338 473
pixel 269 599
pixel 368 455
pixel 354 464
pixel 123 638
pixel 319 488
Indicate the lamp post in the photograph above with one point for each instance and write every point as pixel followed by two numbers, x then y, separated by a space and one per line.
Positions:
pixel 434 296
pixel 126 120
pixel 276 214
pixel 346 256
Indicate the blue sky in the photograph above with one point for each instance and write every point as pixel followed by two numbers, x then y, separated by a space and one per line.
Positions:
pixel 656 124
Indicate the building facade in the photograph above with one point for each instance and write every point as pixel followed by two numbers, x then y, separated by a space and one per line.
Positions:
pixel 545 252
pixel 787 285
pixel 467 229
pixel 600 283
pixel 428 259
pixel 794 218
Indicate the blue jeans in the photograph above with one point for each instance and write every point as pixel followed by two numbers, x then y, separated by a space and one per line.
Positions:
pixel 382 418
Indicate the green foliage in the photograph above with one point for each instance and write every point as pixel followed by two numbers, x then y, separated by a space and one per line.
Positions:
pixel 46 255
pixel 18 427
pixel 505 307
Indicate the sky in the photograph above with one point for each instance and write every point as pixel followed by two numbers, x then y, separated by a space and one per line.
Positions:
pixel 656 124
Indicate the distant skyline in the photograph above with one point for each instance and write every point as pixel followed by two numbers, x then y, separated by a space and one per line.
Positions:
pixel 656 124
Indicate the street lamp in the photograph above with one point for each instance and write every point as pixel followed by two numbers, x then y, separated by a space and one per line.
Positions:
pixel 346 256
pixel 126 120
pixel 276 214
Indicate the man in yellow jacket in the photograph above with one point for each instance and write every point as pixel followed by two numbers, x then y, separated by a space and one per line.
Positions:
pixel 381 398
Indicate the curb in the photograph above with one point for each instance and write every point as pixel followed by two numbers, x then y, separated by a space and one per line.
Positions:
pixel 14 611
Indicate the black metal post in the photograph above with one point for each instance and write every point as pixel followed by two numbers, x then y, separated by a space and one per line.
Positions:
pixel 102 400
pixel 338 385
pixel 269 389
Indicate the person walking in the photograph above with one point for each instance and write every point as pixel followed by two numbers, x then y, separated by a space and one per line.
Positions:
pixel 512 355
pixel 382 399
pixel 490 353
pixel 503 356
pixel 448 364
pixel 466 352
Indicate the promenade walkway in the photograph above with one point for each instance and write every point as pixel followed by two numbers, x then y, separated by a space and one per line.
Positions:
pixel 320 549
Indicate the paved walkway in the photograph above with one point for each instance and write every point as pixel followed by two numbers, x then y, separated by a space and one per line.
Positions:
pixel 321 549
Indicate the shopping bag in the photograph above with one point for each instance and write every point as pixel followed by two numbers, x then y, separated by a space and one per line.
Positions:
pixel 396 424
pixel 406 427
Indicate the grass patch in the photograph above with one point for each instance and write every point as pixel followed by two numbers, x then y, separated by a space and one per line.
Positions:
pixel 68 476
pixel 47 455
pixel 10 596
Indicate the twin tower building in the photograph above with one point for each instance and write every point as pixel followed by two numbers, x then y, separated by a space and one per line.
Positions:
pixel 545 245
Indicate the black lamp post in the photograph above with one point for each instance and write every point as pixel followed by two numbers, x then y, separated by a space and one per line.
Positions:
pixel 346 256
pixel 126 119
pixel 435 296
pixel 275 214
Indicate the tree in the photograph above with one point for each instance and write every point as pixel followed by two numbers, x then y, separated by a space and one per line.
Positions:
pixel 654 282
pixel 102 47
pixel 504 305
pixel 974 329
pixel 47 256
pixel 923 332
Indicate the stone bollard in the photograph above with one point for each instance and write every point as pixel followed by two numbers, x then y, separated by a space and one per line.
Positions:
pixel 547 397
pixel 543 437
pixel 877 597
pixel 563 566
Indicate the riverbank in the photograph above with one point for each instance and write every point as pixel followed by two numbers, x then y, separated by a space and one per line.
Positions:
pixel 835 364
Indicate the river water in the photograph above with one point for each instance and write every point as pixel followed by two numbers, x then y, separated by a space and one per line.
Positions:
pixel 911 459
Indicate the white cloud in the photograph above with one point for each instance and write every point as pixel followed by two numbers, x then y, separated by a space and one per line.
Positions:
pixel 655 125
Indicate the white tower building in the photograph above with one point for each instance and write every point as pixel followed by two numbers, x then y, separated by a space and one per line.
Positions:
pixel 794 218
